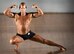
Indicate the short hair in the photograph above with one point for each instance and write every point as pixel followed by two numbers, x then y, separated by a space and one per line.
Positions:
pixel 22 3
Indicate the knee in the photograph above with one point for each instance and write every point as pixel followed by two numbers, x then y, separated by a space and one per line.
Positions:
pixel 12 42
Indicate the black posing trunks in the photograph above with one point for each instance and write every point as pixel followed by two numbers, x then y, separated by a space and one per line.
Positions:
pixel 29 35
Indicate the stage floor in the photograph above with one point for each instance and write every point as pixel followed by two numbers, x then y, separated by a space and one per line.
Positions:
pixel 30 47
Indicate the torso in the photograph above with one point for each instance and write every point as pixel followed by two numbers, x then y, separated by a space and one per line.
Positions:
pixel 23 23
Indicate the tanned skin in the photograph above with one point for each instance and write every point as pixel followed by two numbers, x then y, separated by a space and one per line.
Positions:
pixel 23 21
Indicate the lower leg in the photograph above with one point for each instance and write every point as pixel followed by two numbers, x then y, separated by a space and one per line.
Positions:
pixel 48 42
pixel 16 46
pixel 38 38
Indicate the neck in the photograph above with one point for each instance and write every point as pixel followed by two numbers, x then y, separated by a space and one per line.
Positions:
pixel 23 13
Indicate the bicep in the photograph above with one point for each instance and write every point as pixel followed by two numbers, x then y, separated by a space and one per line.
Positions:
pixel 35 15
pixel 11 15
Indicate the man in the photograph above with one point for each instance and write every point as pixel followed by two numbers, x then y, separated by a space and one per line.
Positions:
pixel 23 21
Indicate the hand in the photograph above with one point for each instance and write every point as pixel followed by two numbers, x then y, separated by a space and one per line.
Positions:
pixel 34 6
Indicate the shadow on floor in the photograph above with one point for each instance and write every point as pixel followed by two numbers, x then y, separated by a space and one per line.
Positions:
pixel 55 52
pixel 51 52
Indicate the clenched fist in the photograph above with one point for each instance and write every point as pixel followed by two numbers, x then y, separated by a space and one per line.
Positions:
pixel 34 6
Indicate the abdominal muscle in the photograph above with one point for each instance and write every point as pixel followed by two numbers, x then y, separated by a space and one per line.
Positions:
pixel 23 27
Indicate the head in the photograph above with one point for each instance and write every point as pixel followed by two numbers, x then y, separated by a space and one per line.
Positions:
pixel 22 7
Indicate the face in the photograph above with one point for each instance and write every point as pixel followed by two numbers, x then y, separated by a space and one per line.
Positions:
pixel 22 8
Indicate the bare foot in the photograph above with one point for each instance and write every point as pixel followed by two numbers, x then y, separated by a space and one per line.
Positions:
pixel 58 51
pixel 62 49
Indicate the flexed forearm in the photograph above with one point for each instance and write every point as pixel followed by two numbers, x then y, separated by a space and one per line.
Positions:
pixel 39 10
pixel 8 12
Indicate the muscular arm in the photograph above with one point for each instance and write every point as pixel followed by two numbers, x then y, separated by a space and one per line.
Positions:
pixel 8 12
pixel 38 13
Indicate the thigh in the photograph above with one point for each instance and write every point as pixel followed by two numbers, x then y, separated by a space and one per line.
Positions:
pixel 38 38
